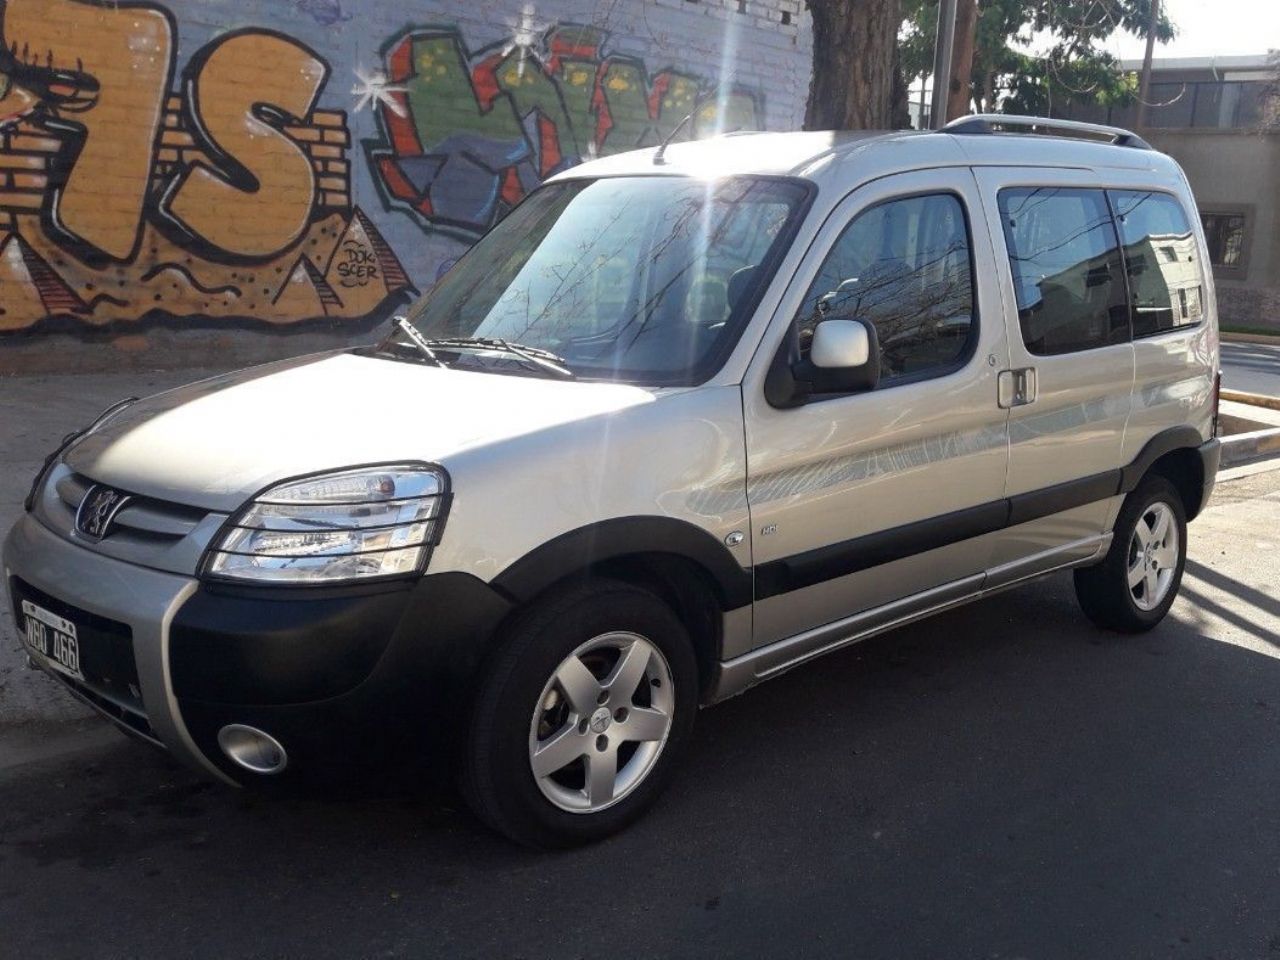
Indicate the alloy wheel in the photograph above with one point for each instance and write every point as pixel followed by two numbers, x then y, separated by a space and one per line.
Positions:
pixel 601 722
pixel 1153 556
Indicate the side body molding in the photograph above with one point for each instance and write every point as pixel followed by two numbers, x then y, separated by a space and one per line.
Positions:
pixel 588 548
pixel 581 550
pixel 850 556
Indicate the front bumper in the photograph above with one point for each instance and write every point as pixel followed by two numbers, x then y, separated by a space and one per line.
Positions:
pixel 345 679
pixel 143 600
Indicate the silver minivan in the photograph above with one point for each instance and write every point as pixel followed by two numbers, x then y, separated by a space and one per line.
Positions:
pixel 685 419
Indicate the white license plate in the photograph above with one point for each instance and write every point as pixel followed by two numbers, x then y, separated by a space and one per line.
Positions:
pixel 52 638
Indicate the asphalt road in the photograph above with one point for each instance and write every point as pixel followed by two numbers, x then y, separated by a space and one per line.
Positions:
pixel 1252 367
pixel 1003 781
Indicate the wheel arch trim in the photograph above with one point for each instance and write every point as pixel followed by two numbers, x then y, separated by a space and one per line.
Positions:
pixel 1164 442
pixel 1203 456
pixel 587 548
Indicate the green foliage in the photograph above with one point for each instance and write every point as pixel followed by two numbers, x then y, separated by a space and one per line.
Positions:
pixel 1074 68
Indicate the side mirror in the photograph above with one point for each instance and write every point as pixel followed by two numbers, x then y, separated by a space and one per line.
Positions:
pixel 840 343
pixel 844 357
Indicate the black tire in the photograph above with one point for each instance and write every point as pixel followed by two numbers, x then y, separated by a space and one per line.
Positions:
pixel 1103 590
pixel 497 776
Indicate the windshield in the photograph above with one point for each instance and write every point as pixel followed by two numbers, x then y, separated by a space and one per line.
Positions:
pixel 641 279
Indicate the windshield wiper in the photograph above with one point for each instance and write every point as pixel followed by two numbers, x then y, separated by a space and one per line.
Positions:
pixel 543 359
pixel 418 340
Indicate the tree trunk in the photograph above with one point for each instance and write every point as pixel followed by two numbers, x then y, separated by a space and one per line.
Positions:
pixel 900 110
pixel 1144 85
pixel 959 91
pixel 854 43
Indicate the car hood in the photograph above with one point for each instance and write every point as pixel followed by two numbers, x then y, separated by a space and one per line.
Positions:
pixel 214 443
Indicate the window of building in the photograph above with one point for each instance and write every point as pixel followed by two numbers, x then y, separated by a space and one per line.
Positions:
pixel 905 266
pixel 1161 260
pixel 1065 259
pixel 1224 233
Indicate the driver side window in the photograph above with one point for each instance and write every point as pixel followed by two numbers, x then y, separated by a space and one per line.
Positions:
pixel 904 265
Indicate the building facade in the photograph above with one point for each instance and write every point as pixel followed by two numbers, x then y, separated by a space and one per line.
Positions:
pixel 187 180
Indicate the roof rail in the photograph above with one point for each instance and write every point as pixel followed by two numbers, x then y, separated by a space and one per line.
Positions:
pixel 996 123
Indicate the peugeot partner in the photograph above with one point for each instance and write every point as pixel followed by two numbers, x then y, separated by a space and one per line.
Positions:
pixel 685 419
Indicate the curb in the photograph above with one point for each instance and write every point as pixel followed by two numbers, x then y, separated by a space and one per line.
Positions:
pixel 1227 474
pixel 1247 447
pixel 1253 399
pixel 1265 338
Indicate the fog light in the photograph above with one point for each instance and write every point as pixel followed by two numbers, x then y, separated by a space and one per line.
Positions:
pixel 252 749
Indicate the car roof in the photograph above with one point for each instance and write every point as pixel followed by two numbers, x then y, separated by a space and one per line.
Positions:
pixel 816 155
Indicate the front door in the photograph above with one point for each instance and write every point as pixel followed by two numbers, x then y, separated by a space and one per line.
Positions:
pixel 858 501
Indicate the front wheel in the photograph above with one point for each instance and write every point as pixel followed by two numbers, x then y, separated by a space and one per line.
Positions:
pixel 580 715
pixel 1136 584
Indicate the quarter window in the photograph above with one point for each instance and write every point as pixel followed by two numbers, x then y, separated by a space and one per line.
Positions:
pixel 1161 259
pixel 1065 259
pixel 904 265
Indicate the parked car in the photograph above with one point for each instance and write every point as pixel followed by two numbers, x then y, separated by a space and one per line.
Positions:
pixel 684 420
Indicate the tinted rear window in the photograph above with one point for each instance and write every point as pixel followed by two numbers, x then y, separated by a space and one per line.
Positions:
pixel 1161 259
pixel 1065 259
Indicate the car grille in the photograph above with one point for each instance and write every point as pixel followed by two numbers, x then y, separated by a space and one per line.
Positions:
pixel 155 521
pixel 110 684
pixel 154 533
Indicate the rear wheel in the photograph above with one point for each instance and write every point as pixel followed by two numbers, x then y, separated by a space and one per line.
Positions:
pixel 1136 584
pixel 580 716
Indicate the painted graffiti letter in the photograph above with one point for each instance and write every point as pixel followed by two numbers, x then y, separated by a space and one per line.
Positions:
pixel 124 200
pixel 469 133
pixel 124 53
pixel 255 199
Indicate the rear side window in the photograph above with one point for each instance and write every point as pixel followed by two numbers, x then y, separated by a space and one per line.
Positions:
pixel 1161 259
pixel 905 266
pixel 1065 258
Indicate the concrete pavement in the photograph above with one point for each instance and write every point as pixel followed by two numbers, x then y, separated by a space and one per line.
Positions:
pixel 1001 781
pixel 1252 367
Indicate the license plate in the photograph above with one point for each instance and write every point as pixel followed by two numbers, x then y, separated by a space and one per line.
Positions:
pixel 52 638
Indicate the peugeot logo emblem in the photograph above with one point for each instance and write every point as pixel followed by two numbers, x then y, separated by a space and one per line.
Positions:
pixel 97 511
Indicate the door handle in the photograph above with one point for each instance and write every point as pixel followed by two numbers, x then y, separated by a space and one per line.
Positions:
pixel 1016 388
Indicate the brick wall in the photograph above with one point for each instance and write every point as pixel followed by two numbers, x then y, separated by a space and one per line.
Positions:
pixel 261 177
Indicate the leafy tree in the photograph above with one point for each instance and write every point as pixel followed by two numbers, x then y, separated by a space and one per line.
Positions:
pixel 1006 76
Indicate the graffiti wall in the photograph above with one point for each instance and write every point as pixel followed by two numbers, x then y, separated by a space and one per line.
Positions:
pixel 467 135
pixel 292 163
pixel 130 189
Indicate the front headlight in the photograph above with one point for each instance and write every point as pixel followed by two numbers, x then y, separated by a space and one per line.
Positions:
pixel 353 525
